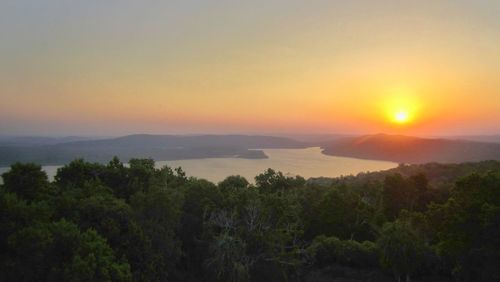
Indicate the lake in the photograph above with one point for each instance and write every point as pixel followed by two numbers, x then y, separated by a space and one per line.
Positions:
pixel 309 162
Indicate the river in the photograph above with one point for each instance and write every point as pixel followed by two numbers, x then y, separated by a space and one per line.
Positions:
pixel 309 162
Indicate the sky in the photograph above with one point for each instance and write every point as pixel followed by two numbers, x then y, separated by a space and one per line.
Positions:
pixel 428 67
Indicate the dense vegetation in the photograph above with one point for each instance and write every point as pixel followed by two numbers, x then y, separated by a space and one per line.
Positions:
pixel 114 222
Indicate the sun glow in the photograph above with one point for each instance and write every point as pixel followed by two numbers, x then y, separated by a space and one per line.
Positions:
pixel 401 105
pixel 401 117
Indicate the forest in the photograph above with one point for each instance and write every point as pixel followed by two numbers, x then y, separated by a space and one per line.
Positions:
pixel 135 222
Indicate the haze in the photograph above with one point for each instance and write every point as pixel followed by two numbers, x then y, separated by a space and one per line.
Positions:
pixel 119 67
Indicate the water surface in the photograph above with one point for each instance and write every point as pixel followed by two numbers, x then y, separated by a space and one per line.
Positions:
pixel 309 162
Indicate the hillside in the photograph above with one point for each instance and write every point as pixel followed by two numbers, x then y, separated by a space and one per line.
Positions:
pixel 159 147
pixel 439 175
pixel 406 149
pixel 40 140
pixel 479 138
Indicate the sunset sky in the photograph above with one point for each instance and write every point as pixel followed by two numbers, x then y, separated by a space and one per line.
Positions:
pixel 119 67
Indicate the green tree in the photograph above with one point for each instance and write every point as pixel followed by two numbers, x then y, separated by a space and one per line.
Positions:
pixel 28 181
pixel 16 214
pixel 228 258
pixel 158 215
pixel 78 172
pixel 272 181
pixel 394 195
pixel 200 198
pixel 233 182
pixel 343 214
pixel 325 251
pixel 467 227
pixel 401 249
pixel 113 219
pixel 60 252
pixel 116 177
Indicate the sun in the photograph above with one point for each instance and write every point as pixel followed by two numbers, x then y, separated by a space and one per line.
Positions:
pixel 401 116
pixel 400 105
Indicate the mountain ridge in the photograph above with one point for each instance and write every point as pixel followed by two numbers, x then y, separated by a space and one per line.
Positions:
pixel 380 146
pixel 159 147
pixel 409 149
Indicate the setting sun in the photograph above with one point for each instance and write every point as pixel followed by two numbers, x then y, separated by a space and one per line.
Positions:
pixel 401 117
pixel 401 104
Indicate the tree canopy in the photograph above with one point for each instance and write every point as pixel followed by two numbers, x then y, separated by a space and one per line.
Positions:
pixel 136 222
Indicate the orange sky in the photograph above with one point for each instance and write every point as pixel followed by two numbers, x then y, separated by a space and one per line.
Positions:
pixel 260 67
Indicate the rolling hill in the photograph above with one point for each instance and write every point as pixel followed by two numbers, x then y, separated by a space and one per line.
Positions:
pixel 159 147
pixel 407 149
pixel 396 148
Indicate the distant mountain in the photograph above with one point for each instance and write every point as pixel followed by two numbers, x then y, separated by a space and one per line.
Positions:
pixel 38 140
pixel 159 147
pixel 317 138
pixel 192 141
pixel 479 138
pixel 406 149
pixel 396 148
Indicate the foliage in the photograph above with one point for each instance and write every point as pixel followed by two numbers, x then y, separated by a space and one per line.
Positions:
pixel 60 251
pixel 123 222
pixel 468 225
pixel 28 181
pixel 324 251
pixel 401 249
